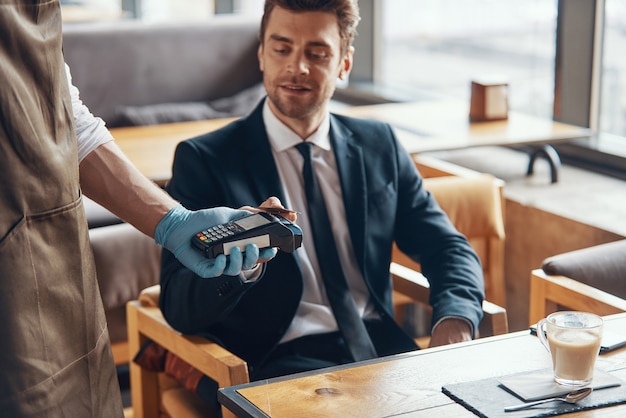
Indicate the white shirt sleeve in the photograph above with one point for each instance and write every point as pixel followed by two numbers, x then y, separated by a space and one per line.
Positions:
pixel 91 131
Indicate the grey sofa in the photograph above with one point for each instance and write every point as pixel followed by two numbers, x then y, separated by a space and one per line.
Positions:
pixel 130 73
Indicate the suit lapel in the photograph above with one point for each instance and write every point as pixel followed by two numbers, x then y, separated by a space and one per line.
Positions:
pixel 351 168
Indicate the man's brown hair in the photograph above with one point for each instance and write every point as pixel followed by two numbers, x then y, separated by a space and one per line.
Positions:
pixel 347 12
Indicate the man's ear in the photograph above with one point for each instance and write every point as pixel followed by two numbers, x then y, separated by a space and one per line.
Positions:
pixel 259 54
pixel 346 64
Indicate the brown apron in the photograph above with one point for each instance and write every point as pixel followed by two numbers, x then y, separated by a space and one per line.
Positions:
pixel 55 356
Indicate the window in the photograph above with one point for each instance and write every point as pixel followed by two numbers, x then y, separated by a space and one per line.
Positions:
pixel 438 46
pixel 432 48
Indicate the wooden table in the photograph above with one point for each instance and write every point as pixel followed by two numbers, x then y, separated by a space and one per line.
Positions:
pixel 444 125
pixel 408 384
pixel 151 148
pixel 420 126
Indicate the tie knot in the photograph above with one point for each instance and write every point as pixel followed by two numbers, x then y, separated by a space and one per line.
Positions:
pixel 305 149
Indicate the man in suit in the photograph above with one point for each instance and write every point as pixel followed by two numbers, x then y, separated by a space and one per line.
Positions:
pixel 278 317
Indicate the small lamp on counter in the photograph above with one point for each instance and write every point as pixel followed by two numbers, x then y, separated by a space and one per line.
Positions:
pixel 489 100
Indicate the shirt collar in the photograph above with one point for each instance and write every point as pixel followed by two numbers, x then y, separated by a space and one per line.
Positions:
pixel 281 137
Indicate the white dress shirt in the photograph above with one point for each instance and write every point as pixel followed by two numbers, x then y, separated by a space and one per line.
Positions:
pixel 91 131
pixel 314 314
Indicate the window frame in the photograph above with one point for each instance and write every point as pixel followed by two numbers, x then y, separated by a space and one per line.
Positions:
pixel 578 84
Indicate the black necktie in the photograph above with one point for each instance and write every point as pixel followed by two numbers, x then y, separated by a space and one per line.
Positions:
pixel 341 301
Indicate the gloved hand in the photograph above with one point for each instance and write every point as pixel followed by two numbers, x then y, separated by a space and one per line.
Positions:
pixel 179 225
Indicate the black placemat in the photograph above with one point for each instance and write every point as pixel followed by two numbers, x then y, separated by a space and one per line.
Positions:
pixel 488 398
pixel 540 384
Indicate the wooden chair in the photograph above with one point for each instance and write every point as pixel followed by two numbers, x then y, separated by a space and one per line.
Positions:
pixel 154 395
pixel 591 279
pixel 474 204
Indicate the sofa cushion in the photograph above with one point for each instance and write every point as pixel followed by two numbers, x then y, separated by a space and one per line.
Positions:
pixel 601 266
pixel 182 375
pixel 239 104
pixel 116 323
pixel 242 103
pixel 167 113
pixel 151 356
pixel 127 261
pixel 97 215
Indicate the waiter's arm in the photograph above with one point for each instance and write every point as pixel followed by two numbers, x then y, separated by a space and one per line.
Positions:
pixel 110 179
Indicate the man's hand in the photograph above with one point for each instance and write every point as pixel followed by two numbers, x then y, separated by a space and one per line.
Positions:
pixel 270 202
pixel 451 330
pixel 273 202
pixel 179 225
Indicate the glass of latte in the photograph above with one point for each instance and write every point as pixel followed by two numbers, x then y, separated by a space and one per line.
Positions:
pixel 573 340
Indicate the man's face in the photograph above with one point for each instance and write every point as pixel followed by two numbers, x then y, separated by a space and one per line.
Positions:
pixel 301 60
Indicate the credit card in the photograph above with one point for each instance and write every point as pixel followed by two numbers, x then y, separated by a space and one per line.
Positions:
pixel 277 211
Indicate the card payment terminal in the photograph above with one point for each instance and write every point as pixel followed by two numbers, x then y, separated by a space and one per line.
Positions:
pixel 263 229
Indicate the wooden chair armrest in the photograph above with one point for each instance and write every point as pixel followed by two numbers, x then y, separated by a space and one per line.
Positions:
pixel 205 355
pixel 433 167
pixel 549 293
pixel 495 320
pixel 414 285
pixel 410 283
pixel 147 322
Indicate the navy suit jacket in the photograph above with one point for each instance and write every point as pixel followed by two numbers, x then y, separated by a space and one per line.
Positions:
pixel 384 200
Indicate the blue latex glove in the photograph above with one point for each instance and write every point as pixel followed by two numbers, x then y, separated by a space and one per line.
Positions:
pixel 179 225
